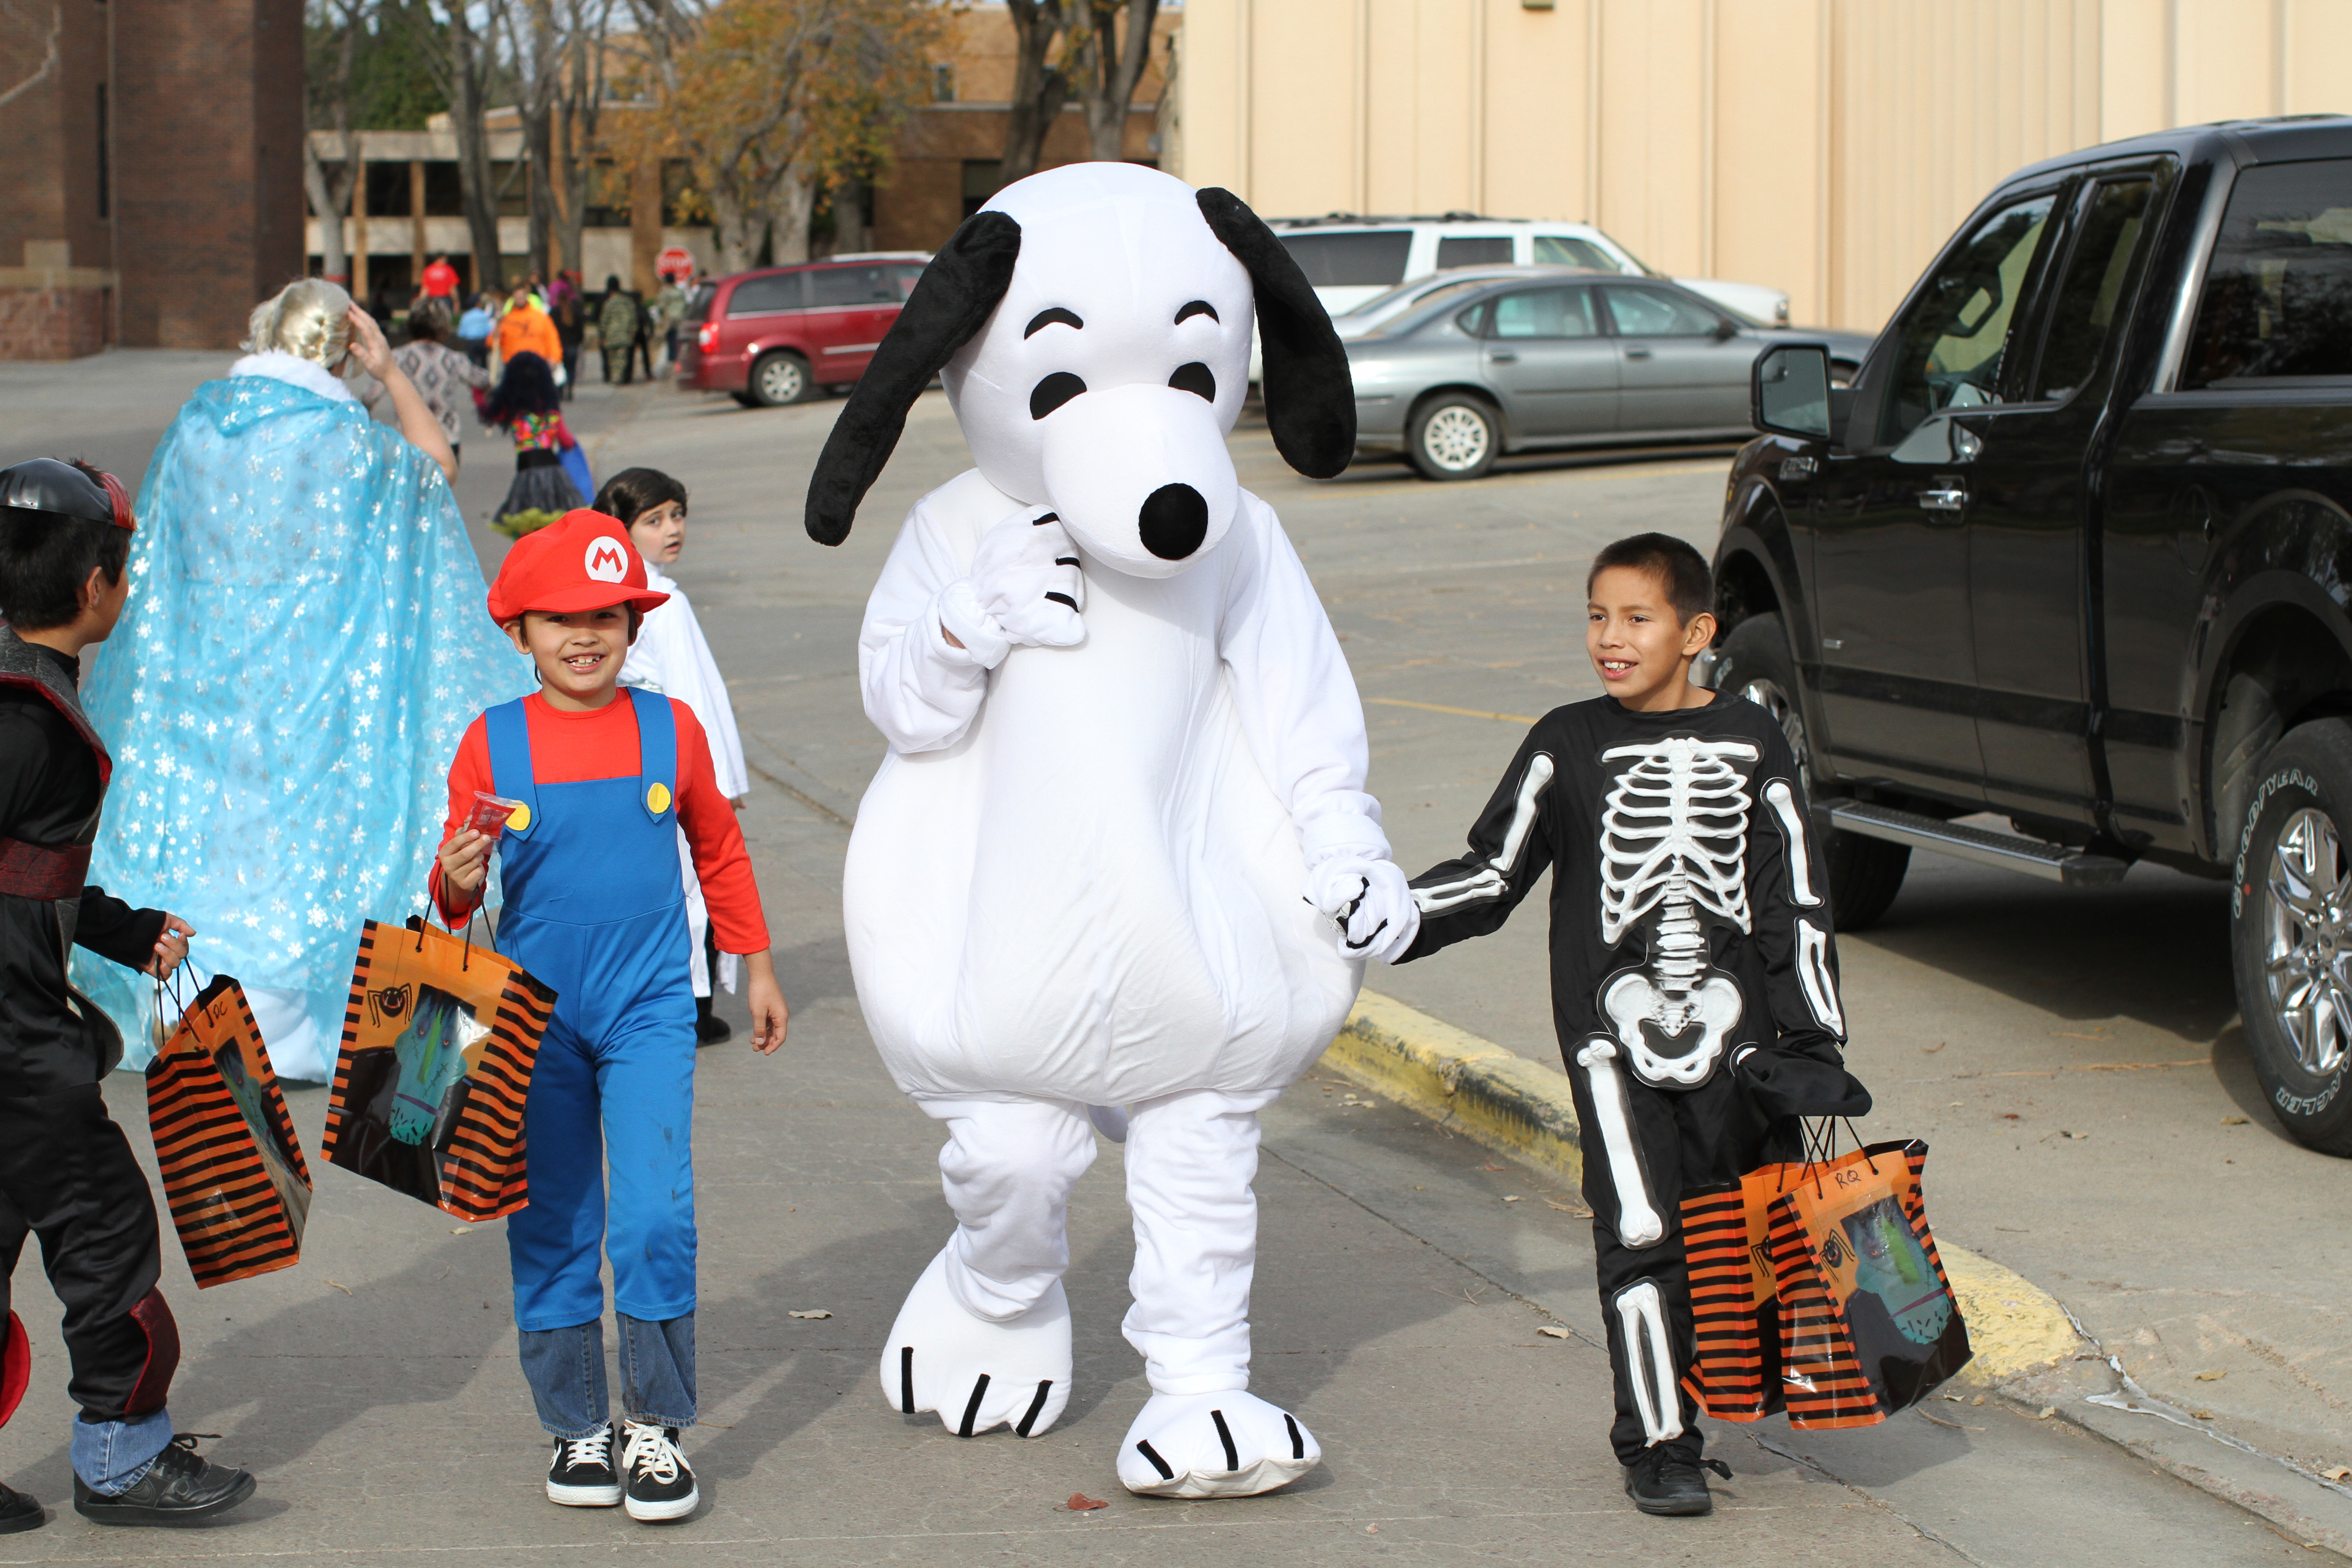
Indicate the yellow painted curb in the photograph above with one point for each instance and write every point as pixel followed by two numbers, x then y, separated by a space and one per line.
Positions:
pixel 1463 1083
pixel 2014 1325
pixel 1523 1109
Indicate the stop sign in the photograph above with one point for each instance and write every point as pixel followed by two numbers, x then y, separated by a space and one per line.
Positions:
pixel 675 262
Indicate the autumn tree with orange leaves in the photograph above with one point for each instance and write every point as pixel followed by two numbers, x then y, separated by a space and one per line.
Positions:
pixel 771 100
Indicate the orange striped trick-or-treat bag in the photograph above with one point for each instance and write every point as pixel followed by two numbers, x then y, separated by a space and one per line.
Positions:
pixel 438 1041
pixel 1735 1374
pixel 233 1169
pixel 1868 1322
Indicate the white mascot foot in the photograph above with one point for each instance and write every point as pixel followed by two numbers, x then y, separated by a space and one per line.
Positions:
pixel 1229 1444
pixel 978 1375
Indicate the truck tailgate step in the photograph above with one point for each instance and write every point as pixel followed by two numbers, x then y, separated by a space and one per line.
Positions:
pixel 2054 862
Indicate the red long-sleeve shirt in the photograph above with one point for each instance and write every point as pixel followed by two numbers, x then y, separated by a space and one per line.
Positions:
pixel 573 748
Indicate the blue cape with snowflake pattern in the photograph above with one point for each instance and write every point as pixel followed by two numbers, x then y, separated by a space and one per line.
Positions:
pixel 305 643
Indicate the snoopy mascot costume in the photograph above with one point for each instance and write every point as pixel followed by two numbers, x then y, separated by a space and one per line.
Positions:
pixel 1119 869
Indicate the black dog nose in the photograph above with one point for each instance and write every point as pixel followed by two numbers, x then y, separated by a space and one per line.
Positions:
pixel 1175 519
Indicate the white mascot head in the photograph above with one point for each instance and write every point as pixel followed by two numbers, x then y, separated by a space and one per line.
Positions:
pixel 1092 327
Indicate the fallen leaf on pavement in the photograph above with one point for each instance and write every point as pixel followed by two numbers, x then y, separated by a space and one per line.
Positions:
pixel 2045 1413
pixel 2215 1375
pixel 1490 1167
pixel 463 1230
pixel 1514 1200
pixel 1579 1210
pixel 2341 1472
pixel 2234 1122
pixel 2202 1414
pixel 1081 1503
pixel 337 1285
pixel 1937 1046
pixel 808 1314
pixel 1552 1332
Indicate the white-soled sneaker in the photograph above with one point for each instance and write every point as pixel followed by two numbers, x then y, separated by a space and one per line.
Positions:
pixel 582 1474
pixel 658 1480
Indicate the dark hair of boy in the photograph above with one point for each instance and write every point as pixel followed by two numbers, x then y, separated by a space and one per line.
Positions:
pixel 528 387
pixel 633 493
pixel 425 325
pixel 47 556
pixel 1688 581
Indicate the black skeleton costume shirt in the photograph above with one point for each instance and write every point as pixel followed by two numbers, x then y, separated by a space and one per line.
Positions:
pixel 1690 917
pixel 1694 979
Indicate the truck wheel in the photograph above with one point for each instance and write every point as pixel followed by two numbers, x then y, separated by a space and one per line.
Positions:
pixel 780 379
pixel 1864 874
pixel 2291 932
pixel 1453 437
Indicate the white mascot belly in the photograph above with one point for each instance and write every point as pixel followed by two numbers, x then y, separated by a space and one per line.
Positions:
pixel 1119 869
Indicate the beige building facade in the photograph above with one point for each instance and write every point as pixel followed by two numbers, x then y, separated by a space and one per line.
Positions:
pixel 1826 147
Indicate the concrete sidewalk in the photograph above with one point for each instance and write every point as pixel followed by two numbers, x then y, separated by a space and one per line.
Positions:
pixel 1405 1273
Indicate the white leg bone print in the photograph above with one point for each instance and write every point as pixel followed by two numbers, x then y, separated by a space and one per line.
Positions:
pixel 1227 1444
pixel 1638 1222
pixel 1649 1359
pixel 1674 835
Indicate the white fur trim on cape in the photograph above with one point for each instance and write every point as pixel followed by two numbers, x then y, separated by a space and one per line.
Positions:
pixel 294 371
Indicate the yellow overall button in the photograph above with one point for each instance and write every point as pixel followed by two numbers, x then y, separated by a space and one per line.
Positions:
pixel 519 819
pixel 658 799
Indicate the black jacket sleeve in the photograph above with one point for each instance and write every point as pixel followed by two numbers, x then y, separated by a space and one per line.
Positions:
pixel 1510 845
pixel 1799 1071
pixel 113 929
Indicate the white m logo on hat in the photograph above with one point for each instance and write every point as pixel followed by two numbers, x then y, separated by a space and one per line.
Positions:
pixel 607 560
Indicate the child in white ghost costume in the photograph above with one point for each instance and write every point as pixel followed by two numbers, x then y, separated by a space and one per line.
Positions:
pixel 671 657
pixel 1124 803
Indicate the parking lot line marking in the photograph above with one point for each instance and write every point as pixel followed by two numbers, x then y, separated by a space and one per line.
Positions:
pixel 1442 708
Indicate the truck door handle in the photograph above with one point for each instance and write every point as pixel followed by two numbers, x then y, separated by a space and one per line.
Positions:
pixel 1946 498
pixel 1503 359
pixel 1637 351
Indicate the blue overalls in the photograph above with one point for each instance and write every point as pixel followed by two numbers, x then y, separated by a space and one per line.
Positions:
pixel 596 908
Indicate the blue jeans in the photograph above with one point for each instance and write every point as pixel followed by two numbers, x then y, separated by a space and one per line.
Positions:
pixel 112 1457
pixel 565 1369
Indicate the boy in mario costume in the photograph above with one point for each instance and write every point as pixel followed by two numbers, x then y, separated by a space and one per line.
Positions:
pixel 604 776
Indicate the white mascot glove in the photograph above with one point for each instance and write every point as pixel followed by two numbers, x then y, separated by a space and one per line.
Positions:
pixel 1369 902
pixel 1026 588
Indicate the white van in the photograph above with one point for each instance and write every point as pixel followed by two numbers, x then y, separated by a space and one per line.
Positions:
pixel 1350 258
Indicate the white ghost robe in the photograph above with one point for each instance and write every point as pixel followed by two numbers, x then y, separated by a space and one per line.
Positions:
pixel 1080 877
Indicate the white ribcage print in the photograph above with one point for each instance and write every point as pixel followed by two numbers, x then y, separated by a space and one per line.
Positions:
pixel 1674 835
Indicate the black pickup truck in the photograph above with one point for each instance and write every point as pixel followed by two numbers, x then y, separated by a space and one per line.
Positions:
pixel 2074 547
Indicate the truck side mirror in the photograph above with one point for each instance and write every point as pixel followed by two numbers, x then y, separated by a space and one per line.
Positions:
pixel 1788 391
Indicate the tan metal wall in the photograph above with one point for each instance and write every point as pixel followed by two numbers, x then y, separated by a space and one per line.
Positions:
pixel 1822 146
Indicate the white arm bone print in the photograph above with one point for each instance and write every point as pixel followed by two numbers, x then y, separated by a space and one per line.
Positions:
pixel 1674 834
pixel 1489 880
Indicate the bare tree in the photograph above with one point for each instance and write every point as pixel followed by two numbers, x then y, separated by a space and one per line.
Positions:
pixel 578 111
pixel 1040 87
pixel 50 59
pixel 1110 67
pixel 326 85
pixel 464 65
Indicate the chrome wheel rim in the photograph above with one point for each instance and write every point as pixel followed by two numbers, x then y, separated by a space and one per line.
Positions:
pixel 781 381
pixel 2307 958
pixel 1456 438
pixel 1767 694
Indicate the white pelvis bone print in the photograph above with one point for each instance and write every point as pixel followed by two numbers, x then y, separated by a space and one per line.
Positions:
pixel 1674 837
pixel 1075 881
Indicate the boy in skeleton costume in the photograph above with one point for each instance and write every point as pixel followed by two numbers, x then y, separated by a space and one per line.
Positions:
pixel 1693 975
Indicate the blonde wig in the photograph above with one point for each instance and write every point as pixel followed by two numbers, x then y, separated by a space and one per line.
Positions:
pixel 306 319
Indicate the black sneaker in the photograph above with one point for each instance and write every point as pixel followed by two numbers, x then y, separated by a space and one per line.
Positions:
pixel 180 1488
pixel 19 1511
pixel 659 1483
pixel 710 1029
pixel 582 1474
pixel 1669 1481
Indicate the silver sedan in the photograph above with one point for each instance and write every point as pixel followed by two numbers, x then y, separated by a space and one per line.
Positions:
pixel 1543 362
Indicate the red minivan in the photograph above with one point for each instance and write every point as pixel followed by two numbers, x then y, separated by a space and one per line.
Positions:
pixel 775 335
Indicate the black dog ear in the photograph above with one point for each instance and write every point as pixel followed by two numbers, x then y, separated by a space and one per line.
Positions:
pixel 951 302
pixel 1310 397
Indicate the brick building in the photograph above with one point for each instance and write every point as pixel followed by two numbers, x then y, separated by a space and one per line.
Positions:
pixel 155 177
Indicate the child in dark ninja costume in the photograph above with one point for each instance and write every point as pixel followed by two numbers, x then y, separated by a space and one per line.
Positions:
pixel 66 1174
pixel 1693 975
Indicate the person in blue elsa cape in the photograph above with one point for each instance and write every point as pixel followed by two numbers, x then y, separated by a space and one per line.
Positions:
pixel 303 653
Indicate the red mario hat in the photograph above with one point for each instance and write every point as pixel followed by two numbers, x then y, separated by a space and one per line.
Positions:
pixel 584 561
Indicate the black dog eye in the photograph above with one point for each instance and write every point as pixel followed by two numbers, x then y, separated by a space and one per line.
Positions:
pixel 1053 392
pixel 1197 378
